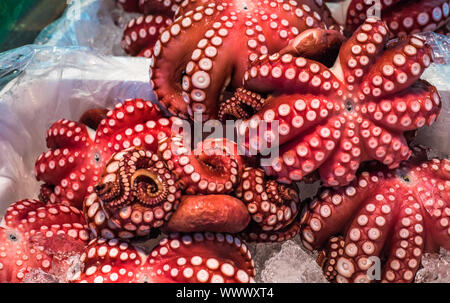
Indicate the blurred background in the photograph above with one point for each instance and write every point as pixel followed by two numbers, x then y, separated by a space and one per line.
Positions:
pixel 22 20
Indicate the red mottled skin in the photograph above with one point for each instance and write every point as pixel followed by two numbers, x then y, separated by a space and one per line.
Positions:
pixel 213 213
pixel 393 214
pixel 76 159
pixel 403 17
pixel 272 206
pixel 34 235
pixel 331 120
pixel 209 46
pixel 179 258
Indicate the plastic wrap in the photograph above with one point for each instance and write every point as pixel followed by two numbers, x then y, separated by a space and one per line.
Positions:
pixel 95 24
pixel 50 83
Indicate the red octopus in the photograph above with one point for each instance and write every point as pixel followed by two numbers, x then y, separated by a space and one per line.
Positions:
pixel 403 17
pixel 140 192
pixel 34 235
pixel 209 46
pixel 77 155
pixel 395 215
pixel 331 120
pixel 179 258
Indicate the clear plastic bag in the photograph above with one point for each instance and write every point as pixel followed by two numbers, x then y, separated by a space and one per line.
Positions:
pixel 42 84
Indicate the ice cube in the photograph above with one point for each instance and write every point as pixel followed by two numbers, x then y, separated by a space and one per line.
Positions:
pixel 290 263
pixel 436 268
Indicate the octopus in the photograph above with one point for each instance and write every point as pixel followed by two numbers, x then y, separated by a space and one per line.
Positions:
pixel 179 258
pixel 137 194
pixel 77 154
pixel 204 53
pixel 213 167
pixel 273 207
pixel 403 17
pixel 331 119
pixel 385 218
pixel 35 235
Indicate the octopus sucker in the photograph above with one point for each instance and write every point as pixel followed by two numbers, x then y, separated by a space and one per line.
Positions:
pixel 75 160
pixel 369 98
pixel 214 167
pixel 401 16
pixel 135 195
pixel 272 205
pixel 395 216
pixel 226 38
pixel 35 235
pixel 179 258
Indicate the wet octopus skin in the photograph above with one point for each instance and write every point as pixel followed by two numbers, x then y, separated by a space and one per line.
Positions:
pixel 72 166
pixel 399 214
pixel 141 33
pixel 213 167
pixel 331 120
pixel 149 6
pixel 31 235
pixel 403 17
pixel 179 258
pixel 213 43
pixel 137 194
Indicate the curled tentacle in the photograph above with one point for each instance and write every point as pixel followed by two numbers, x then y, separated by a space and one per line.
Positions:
pixel 242 105
pixel 272 205
pixel 212 168
pixel 136 194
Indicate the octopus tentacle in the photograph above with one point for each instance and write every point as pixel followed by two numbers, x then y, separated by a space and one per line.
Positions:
pixel 341 166
pixel 407 246
pixel 213 167
pixel 187 26
pixel 413 108
pixel 329 214
pixel 241 105
pixel 397 215
pixel 75 160
pixel 436 211
pixel 271 205
pixel 398 68
pixel 204 71
pixel 361 50
pixel 179 258
pixel 36 235
pixel 289 74
pixel 390 148
pixel 142 33
pixel 136 194
pixel 402 17
pixel 366 237
pixel 304 93
pixel 298 160
pixel 254 233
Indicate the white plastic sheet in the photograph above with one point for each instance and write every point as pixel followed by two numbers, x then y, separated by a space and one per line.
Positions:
pixel 52 83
